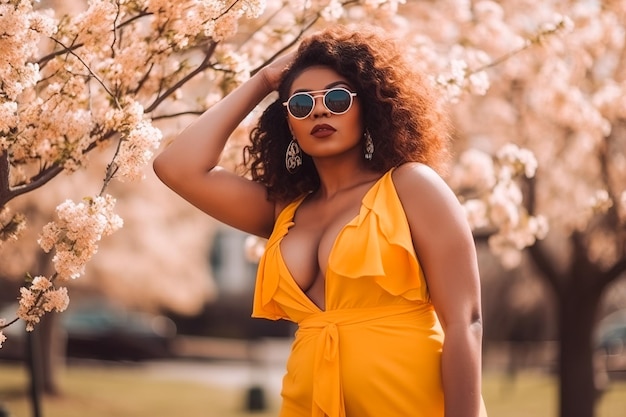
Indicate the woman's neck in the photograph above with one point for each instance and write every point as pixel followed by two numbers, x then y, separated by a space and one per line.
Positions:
pixel 337 177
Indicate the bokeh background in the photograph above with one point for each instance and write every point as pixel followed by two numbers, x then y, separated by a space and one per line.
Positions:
pixel 160 325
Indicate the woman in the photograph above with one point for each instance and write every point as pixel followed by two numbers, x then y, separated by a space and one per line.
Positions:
pixel 344 188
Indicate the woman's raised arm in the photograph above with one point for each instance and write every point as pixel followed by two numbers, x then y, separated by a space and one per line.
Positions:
pixel 189 164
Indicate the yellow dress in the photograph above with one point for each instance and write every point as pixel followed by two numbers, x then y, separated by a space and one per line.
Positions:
pixel 376 349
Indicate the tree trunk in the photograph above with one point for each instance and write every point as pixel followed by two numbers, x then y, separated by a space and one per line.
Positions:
pixel 52 349
pixel 34 371
pixel 51 340
pixel 577 316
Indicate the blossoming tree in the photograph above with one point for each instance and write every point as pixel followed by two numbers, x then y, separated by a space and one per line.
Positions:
pixel 566 102
pixel 103 81
pixel 99 80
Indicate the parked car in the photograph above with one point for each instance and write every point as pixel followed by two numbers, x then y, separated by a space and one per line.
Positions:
pixel 611 343
pixel 97 329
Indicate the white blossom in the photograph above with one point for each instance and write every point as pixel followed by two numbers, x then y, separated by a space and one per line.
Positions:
pixel 333 11
pixel 600 202
pixel 41 283
pixel 76 232
pixel 254 247
pixel 521 160
pixel 56 300
pixel 3 338
pixel 475 170
pixel 476 212
pixel 136 150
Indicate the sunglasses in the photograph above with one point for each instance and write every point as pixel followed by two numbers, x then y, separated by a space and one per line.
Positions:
pixel 337 100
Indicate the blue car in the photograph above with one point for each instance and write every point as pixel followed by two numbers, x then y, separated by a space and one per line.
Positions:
pixel 97 329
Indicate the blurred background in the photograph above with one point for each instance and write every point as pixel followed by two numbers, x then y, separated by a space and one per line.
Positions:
pixel 118 359
pixel 160 323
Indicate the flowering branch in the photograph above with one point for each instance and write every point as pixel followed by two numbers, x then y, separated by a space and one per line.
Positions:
pixel 8 193
pixel 463 78
pixel 71 52
pixel 35 130
pixel 562 24
pixel 117 64
pixel 493 201
pixel 199 69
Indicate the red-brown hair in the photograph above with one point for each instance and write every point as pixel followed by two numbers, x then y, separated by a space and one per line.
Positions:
pixel 401 110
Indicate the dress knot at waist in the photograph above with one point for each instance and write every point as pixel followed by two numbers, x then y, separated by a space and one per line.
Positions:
pixel 328 400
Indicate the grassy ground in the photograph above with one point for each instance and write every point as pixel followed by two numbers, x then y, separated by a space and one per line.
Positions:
pixel 113 391
pixel 534 394
pixel 121 392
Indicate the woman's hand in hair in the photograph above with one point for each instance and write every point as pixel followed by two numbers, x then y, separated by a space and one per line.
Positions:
pixel 273 72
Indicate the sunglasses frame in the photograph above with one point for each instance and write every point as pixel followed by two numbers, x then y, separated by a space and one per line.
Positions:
pixel 318 93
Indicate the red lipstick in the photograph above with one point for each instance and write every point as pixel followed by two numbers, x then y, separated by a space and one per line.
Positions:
pixel 323 130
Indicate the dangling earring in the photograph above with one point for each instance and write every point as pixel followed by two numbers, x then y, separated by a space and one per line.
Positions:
pixel 293 157
pixel 369 145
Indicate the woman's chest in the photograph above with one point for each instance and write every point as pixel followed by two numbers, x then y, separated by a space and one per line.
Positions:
pixel 308 244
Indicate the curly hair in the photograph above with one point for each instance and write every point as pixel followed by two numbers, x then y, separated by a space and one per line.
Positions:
pixel 400 110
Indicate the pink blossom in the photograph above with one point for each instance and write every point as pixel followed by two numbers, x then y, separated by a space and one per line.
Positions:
pixel 40 283
pixel 76 232
pixel 136 150
pixel 56 300
pixel 254 248
pixel 3 338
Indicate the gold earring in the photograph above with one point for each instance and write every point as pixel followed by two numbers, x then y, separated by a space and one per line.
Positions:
pixel 293 157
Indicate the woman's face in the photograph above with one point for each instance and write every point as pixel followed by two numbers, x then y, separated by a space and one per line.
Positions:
pixel 322 133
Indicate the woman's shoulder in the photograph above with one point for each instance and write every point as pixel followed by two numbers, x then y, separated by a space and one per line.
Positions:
pixel 415 174
pixel 417 184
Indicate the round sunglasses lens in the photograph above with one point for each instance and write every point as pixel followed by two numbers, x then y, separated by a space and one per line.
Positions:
pixel 300 105
pixel 338 101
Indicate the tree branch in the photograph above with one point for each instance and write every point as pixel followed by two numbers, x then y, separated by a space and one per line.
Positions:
pixel 306 27
pixel 541 257
pixel 4 177
pixel 203 65
pixel 182 113
pixel 37 181
pixel 613 273
pixel 539 252
pixel 44 60
pixel 604 153
pixel 42 176
pixel 101 82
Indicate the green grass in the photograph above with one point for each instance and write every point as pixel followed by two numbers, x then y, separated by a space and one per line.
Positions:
pixel 121 392
pixel 112 391
pixel 534 394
